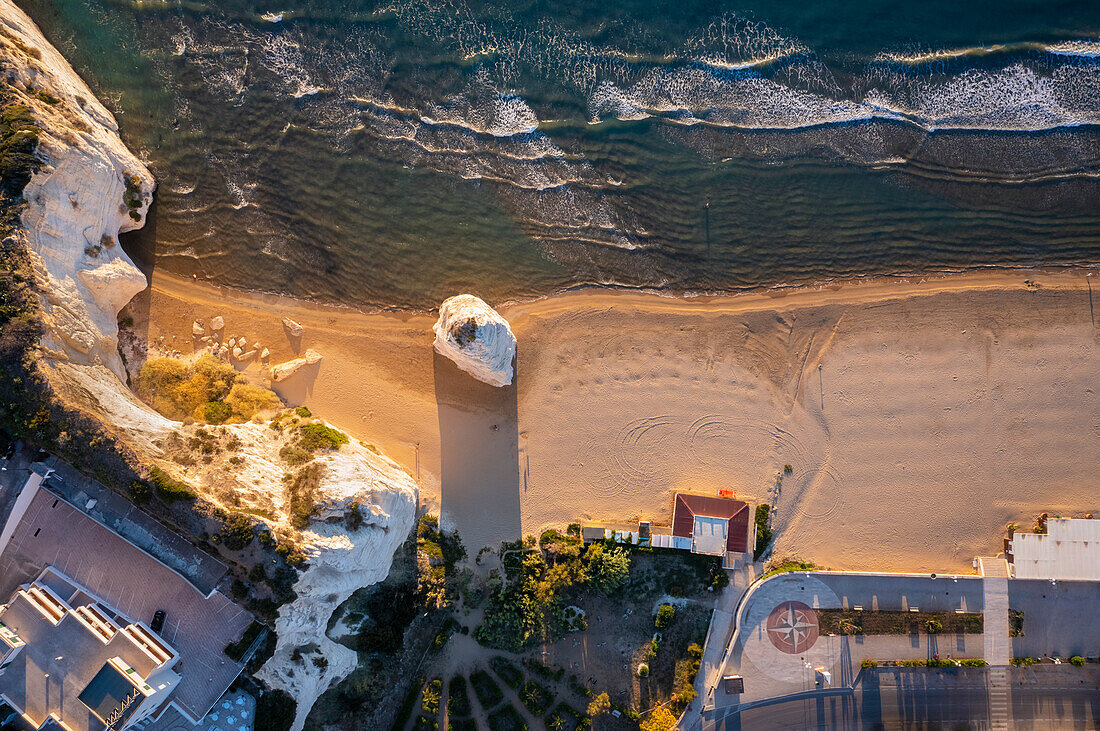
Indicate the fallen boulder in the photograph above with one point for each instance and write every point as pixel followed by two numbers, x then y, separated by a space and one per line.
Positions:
pixel 283 371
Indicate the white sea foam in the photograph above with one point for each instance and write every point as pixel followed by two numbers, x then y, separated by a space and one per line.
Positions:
pixel 1015 98
pixel 282 55
pixel 1081 48
pixel 695 95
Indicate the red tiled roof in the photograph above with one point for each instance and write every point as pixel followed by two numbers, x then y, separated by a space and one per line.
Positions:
pixel 737 512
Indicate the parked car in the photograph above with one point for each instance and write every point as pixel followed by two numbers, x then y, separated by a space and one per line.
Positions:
pixel 158 621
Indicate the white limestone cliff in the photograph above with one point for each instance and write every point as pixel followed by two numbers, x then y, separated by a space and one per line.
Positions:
pixel 340 561
pixel 476 338
pixel 78 201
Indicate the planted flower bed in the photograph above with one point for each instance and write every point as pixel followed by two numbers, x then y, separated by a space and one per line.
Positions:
pixel 850 622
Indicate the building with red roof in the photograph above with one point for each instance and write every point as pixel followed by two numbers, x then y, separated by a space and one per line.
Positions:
pixel 714 525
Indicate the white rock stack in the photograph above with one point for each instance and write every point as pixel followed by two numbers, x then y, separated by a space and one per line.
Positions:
pixel 476 338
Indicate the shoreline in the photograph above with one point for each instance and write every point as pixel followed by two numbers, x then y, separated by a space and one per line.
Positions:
pixel 622 398
pixel 989 277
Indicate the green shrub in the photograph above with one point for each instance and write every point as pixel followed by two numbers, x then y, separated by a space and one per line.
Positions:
pixel 318 436
pixel 140 494
pixel 18 140
pixel 665 614
pixel 353 518
pixel 169 489
pixel 973 662
pixel 1077 661
pixel 763 530
pixel 643 671
pixel 868 663
pixel 236 650
pixel 607 567
pixel 213 412
pixel 934 626
pixel 303 412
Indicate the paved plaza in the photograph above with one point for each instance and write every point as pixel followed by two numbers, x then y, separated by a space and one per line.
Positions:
pixel 778 647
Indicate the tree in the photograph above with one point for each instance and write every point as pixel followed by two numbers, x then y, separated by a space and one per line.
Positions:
pixel 600 705
pixel 236 532
pixel 661 719
pixel 665 615
pixel 608 568
pixel 275 711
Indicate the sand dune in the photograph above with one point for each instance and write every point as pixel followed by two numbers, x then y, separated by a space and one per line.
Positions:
pixel 919 417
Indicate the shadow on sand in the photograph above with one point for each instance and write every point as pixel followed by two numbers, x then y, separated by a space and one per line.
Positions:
pixel 479 464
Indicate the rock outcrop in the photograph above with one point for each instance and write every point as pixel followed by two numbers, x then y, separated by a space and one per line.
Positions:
pixel 476 338
pixel 340 561
pixel 284 371
pixel 293 329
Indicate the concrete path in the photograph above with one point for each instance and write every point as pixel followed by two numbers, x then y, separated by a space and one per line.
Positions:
pixel 998 645
pixel 999 706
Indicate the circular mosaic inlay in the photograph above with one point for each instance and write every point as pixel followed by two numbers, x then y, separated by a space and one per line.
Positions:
pixel 792 627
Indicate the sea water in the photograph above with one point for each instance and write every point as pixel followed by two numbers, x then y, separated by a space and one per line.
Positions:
pixel 395 153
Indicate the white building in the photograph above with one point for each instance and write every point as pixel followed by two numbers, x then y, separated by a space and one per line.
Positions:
pixel 69 660
pixel 1069 550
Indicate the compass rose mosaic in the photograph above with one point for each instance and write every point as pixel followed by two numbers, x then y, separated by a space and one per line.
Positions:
pixel 792 627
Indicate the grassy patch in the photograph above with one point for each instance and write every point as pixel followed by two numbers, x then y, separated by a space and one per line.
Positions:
pixel 18 141
pixel 788 565
pixel 509 673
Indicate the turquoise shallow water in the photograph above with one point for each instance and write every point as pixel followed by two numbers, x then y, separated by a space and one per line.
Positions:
pixel 396 153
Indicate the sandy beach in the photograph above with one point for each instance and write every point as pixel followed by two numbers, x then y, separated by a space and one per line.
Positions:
pixel 918 416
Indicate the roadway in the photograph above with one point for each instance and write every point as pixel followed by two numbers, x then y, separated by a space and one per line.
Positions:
pixel 1047 697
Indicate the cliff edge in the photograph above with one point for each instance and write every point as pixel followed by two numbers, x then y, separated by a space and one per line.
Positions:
pixel 88 190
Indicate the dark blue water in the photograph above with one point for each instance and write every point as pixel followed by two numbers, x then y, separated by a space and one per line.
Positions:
pixel 396 153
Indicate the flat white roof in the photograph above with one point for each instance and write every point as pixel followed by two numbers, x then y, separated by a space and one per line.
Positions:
pixel 709 535
pixel 1070 549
